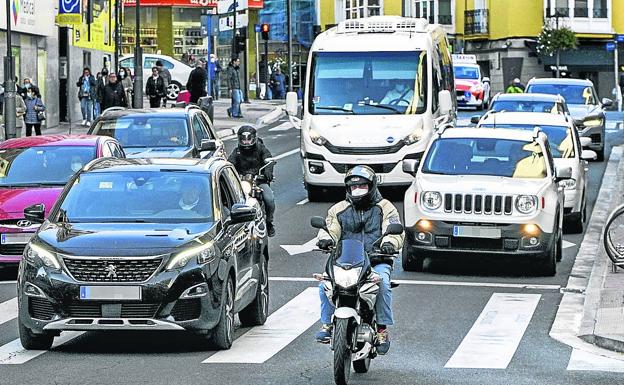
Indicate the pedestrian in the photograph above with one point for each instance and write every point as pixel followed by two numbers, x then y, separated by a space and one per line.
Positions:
pixel 20 111
pixel 35 111
pixel 278 81
pixel 26 84
pixel 234 82
pixel 155 89
pixel 113 94
pixel 126 81
pixel 196 83
pixel 215 73
pixel 100 81
pixel 87 95
pixel 516 87
pixel 264 76
pixel 166 76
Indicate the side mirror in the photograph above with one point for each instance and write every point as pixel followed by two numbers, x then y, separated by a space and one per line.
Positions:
pixel 446 102
pixel 292 104
pixel 410 166
pixel 475 119
pixel 606 102
pixel 35 213
pixel 394 229
pixel 562 173
pixel 589 155
pixel 585 141
pixel 318 223
pixel 578 123
pixel 208 145
pixel 241 214
pixel 486 79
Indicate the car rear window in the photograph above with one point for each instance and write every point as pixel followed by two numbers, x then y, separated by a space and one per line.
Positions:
pixel 146 131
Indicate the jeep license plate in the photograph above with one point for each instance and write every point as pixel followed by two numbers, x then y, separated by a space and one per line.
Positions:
pixel 476 232
pixel 110 293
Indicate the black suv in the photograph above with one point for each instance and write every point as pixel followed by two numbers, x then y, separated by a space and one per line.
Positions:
pixel 145 244
pixel 161 133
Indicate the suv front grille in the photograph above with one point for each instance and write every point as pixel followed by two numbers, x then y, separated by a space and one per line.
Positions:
pixel 100 270
pixel 128 310
pixel 186 309
pixel 16 249
pixel 40 308
pixel 478 204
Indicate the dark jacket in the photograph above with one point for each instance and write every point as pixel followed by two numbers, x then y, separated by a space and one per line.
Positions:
pixel 99 89
pixel 92 90
pixel 233 78
pixel 196 83
pixel 155 89
pixel 249 162
pixel 113 95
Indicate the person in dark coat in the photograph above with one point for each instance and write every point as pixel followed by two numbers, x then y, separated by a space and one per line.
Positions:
pixel 196 84
pixel 155 89
pixel 235 87
pixel 113 93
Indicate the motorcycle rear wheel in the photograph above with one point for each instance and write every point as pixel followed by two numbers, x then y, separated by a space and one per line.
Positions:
pixel 342 351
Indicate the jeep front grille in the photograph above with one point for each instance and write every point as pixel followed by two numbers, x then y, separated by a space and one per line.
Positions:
pixel 478 204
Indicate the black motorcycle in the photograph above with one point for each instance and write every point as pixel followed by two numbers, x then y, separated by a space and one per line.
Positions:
pixel 251 183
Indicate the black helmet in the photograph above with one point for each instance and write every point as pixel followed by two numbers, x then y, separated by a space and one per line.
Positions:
pixel 360 176
pixel 247 137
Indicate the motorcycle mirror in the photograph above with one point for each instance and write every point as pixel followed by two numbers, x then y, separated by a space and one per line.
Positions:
pixel 318 223
pixel 394 229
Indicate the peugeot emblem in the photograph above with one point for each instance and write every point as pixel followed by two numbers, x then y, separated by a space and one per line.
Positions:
pixel 111 271
pixel 24 223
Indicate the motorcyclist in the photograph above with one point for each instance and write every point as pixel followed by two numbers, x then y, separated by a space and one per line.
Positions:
pixel 248 158
pixel 364 216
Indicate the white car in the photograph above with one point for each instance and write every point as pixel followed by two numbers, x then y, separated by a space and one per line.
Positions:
pixel 485 192
pixel 179 71
pixel 566 146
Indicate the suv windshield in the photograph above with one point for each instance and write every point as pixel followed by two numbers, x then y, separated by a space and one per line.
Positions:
pixel 139 196
pixel 369 83
pixel 527 106
pixel 465 72
pixel 145 131
pixel 573 94
pixel 486 156
pixel 51 165
pixel 560 138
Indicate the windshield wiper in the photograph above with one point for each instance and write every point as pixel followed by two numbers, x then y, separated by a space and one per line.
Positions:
pixel 125 221
pixel 396 111
pixel 34 184
pixel 334 108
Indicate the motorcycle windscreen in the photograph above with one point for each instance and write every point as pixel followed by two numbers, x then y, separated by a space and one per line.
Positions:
pixel 351 253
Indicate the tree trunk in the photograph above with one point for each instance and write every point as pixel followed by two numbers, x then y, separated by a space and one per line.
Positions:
pixel 558 61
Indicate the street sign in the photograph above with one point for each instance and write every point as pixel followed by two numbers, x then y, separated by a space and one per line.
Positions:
pixel 619 38
pixel 257 28
pixel 227 23
pixel 610 46
pixel 227 6
pixel 213 22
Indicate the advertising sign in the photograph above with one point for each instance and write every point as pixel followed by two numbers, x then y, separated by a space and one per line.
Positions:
pixel 227 23
pixel 35 17
pixel 173 3
pixel 227 6
pixel 99 34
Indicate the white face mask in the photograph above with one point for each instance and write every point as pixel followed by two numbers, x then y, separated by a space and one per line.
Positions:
pixel 358 191
pixel 30 94
pixel 121 75
pixel 76 166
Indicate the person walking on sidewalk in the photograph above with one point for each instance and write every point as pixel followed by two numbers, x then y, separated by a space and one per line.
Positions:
pixel 35 111
pixel 87 95
pixel 196 84
pixel 234 82
pixel 166 76
pixel 155 89
pixel 113 94
pixel 215 71
pixel 101 81
pixel 126 81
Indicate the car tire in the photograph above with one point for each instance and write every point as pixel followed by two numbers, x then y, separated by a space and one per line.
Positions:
pixel 548 266
pixel 256 313
pixel 559 251
pixel 223 333
pixel 32 341
pixel 173 90
pixel 315 193
pixel 576 224
pixel 600 155
pixel 411 262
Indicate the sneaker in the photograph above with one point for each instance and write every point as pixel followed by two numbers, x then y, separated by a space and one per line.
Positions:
pixel 383 338
pixel 88 123
pixel 84 122
pixel 324 335
pixel 270 229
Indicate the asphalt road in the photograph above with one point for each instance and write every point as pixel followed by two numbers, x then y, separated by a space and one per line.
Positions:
pixel 434 312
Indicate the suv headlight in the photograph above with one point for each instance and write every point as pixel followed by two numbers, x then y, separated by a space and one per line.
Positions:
pixel 568 184
pixel 346 278
pixel 48 258
pixel 432 200
pixel 593 122
pixel 414 137
pixel 316 138
pixel 526 203
pixel 204 254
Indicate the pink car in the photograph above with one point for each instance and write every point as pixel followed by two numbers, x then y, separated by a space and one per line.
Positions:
pixel 35 170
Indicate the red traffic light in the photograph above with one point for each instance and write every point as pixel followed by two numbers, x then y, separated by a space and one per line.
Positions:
pixel 265 27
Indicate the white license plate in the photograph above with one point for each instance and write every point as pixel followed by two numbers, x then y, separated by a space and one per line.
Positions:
pixel 15 239
pixel 476 232
pixel 103 293
pixel 380 179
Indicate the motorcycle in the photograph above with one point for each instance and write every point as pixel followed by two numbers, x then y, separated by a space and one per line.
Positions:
pixel 251 183
pixel 352 286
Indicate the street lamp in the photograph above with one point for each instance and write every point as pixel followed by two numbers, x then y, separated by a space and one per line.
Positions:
pixel 138 60
pixel 9 83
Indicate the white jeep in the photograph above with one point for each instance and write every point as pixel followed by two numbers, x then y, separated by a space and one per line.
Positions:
pixel 485 192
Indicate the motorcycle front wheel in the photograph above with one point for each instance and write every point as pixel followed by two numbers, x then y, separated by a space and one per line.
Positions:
pixel 342 351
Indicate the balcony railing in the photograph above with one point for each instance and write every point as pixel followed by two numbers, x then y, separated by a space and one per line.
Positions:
pixel 581 12
pixel 445 19
pixel 476 22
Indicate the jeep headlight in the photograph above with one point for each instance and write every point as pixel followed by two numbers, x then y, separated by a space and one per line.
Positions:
pixel 414 137
pixel 593 122
pixel 526 204
pixel 48 258
pixel 204 254
pixel 568 184
pixel 432 200
pixel 316 138
pixel 346 278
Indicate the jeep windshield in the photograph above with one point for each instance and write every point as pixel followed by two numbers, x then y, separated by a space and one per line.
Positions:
pixel 486 156
pixel 573 94
pixel 145 131
pixel 368 83
pixel 560 138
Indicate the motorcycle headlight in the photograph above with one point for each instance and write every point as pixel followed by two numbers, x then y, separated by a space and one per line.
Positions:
pixel 204 254
pixel 246 187
pixel 346 278
pixel 594 122
pixel 432 200
pixel 526 204
pixel 568 184
pixel 34 253
pixel 316 138
pixel 413 137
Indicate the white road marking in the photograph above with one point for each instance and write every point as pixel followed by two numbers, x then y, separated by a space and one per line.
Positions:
pixel 281 328
pixel 300 249
pixel 582 360
pixel 288 153
pixel 282 127
pixel 567 244
pixel 493 339
pixel 303 202
pixel 8 310
pixel 441 283
pixel 8 282
pixel 14 354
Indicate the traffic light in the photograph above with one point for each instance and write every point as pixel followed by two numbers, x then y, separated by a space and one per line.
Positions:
pixel 239 43
pixel 265 28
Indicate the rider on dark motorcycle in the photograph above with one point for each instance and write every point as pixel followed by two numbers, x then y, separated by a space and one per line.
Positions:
pixel 363 216
pixel 248 158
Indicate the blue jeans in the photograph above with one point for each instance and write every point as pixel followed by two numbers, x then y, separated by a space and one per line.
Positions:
pixel 269 201
pixel 237 98
pixel 383 305
pixel 97 110
pixel 86 107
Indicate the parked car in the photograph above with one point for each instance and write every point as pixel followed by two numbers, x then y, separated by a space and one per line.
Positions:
pixel 146 244
pixel 485 192
pixel 34 170
pixel 179 71
pixel 471 87
pixel 567 150
pixel 545 103
pixel 582 100
pixel 161 133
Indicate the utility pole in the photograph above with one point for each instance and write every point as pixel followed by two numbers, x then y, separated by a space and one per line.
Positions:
pixel 138 59
pixel 117 33
pixel 289 22
pixel 618 90
pixel 234 53
pixel 9 82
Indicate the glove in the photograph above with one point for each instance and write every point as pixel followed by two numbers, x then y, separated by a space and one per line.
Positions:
pixel 324 244
pixel 388 248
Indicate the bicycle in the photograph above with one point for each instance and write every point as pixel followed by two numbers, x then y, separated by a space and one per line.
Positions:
pixel 615 250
